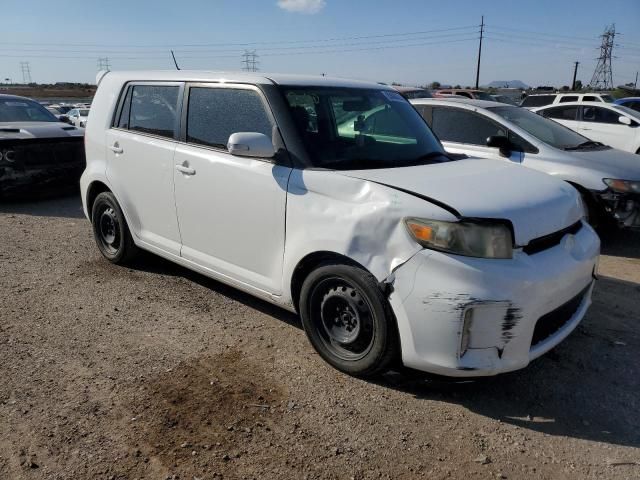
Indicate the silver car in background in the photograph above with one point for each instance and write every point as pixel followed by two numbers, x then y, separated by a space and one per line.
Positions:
pixel 608 179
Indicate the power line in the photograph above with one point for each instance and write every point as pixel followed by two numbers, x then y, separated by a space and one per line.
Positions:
pixel 249 61
pixel 603 74
pixel 26 72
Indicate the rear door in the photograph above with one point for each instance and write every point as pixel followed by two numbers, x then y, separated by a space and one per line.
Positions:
pixel 231 209
pixel 466 131
pixel 140 149
pixel 602 125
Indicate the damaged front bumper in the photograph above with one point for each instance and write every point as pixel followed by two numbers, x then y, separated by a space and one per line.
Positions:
pixel 29 164
pixel 624 208
pixel 461 316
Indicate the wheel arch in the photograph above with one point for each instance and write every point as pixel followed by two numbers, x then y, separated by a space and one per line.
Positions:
pixel 95 188
pixel 309 263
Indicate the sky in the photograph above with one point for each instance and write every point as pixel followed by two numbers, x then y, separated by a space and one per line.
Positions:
pixel 413 42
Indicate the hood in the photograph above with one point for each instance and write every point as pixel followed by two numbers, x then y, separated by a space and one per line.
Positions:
pixel 535 203
pixel 24 130
pixel 611 163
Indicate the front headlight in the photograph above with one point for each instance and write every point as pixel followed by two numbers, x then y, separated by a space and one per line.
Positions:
pixel 468 238
pixel 622 186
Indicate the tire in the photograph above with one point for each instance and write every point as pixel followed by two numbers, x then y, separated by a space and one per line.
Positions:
pixel 348 320
pixel 110 230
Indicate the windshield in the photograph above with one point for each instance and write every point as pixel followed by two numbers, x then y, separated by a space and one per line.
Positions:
pixel 542 128
pixel 23 110
pixel 483 96
pixel 629 111
pixel 354 128
pixel 607 98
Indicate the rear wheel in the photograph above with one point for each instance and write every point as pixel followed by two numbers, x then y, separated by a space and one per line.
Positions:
pixel 348 319
pixel 110 230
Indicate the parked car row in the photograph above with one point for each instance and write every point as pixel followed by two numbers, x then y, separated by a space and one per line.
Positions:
pixel 334 199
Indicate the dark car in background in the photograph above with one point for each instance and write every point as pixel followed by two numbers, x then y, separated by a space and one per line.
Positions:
pixel 36 149
pixel 413 92
pixel 630 102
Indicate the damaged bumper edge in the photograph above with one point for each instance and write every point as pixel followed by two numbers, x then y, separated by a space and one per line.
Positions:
pixel 461 316
pixel 624 208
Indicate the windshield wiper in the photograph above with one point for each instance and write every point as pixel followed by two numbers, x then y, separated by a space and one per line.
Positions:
pixel 584 145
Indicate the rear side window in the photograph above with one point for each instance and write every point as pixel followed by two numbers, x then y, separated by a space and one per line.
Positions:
pixel 591 98
pixel 568 98
pixel 600 115
pixel 561 113
pixel 538 100
pixel 461 126
pixel 215 113
pixel 153 109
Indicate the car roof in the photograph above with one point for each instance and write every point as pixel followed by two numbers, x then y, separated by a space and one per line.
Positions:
pixel 575 104
pixel 453 101
pixel 240 77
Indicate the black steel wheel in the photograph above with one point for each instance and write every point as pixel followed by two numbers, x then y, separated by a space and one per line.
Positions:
pixel 111 231
pixel 348 319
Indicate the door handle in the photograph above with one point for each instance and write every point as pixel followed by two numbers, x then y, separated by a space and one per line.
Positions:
pixel 115 148
pixel 186 169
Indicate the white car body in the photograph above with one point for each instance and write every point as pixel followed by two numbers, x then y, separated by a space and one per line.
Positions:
pixel 79 116
pixel 253 223
pixel 601 122
pixel 543 99
pixel 586 168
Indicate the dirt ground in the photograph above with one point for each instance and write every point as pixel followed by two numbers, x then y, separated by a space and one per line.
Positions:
pixel 157 372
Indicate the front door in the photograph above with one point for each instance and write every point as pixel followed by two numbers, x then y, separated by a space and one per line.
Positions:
pixel 231 210
pixel 602 125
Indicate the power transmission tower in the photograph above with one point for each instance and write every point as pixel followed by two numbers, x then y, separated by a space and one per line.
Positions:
pixel 479 52
pixel 249 61
pixel 26 72
pixel 603 74
pixel 103 64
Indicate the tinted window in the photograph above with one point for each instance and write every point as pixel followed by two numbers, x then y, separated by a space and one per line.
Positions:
pixel 154 109
pixel 24 110
pixel 537 100
pixel 590 98
pixel 561 113
pixel 123 121
pixel 215 113
pixel 599 115
pixel 463 94
pixel 461 126
pixel 569 98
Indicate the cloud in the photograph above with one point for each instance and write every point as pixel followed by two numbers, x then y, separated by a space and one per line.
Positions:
pixel 302 6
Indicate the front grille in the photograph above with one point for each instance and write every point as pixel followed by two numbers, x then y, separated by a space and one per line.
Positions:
pixel 45 152
pixel 548 241
pixel 553 321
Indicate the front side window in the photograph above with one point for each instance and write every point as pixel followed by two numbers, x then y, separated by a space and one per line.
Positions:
pixel 545 130
pixel 463 126
pixel 358 128
pixel 216 113
pixel 600 115
pixel 537 100
pixel 154 109
pixel 24 110
pixel 561 113
pixel 607 98
pixel 591 98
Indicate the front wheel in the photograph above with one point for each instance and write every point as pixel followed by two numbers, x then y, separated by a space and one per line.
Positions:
pixel 110 230
pixel 348 320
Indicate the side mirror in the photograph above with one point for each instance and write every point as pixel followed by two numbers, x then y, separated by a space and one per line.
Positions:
pixel 250 144
pixel 624 120
pixel 502 143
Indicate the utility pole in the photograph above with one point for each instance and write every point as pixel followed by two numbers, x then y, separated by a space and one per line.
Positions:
pixel 249 60
pixel 26 72
pixel 479 52
pixel 603 74
pixel 103 64
pixel 575 72
pixel 635 84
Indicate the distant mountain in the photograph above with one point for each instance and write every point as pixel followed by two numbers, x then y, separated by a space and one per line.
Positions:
pixel 508 84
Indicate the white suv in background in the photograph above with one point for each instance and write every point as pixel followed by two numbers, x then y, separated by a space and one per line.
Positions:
pixel 539 100
pixel 610 124
pixel 334 199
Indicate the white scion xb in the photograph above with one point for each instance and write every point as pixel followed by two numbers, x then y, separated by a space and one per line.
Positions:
pixel 333 198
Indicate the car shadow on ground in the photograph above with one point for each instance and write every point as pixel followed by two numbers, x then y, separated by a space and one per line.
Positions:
pixel 621 243
pixel 62 202
pixel 585 388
